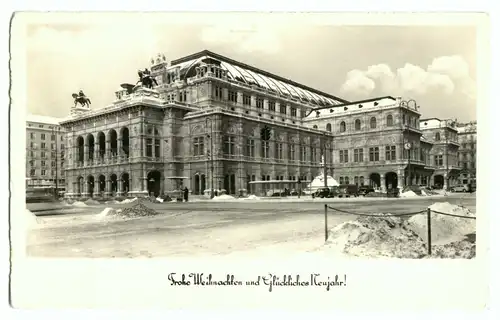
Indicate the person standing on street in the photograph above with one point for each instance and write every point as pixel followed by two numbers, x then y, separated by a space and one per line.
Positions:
pixel 186 194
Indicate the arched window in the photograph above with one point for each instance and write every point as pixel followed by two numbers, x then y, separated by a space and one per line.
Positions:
pixel 438 136
pixel 357 124
pixel 342 126
pixel 315 127
pixel 373 123
pixel 389 120
pixel 329 127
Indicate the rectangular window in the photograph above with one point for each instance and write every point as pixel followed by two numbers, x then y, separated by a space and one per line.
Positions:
pixel 343 156
pixel 62 146
pixel 232 96
pixel 43 145
pixel 53 137
pixel 341 180
pixel 198 145
pixel 358 155
pixel 291 151
pixel 229 145
pixel 303 153
pixel 53 146
pixel 53 154
pixel 42 155
pixel 374 154
pixel 246 99
pixel 43 163
pixel 32 145
pixel 32 163
pixel 157 148
pixel 250 148
pixel 314 155
pixel 44 172
pixel 438 160
pixel 53 164
pixel 390 152
pixel 32 135
pixel 293 111
pixel 218 92
pixel 33 172
pixel 260 103
pixel 282 108
pixel 272 106
pixel 279 150
pixel 149 147
pixel 265 149
pixel 43 136
pixel 303 113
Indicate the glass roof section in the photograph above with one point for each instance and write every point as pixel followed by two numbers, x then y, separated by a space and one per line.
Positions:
pixel 251 77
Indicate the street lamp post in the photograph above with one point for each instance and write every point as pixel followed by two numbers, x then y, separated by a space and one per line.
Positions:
pixel 211 156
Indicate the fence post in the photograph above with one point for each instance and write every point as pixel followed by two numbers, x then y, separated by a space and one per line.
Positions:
pixel 326 222
pixel 429 232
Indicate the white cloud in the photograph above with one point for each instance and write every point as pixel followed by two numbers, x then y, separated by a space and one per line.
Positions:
pixel 445 74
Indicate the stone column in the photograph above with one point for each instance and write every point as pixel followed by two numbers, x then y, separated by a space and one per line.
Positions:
pixel 96 153
pixel 120 145
pixel 401 179
pixel 107 155
pixel 85 154
pixel 266 105
pixel 120 185
pixel 108 188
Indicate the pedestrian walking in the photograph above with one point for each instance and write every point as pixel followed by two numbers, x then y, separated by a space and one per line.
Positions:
pixel 186 194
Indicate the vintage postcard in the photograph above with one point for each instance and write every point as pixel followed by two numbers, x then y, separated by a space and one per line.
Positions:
pixel 214 160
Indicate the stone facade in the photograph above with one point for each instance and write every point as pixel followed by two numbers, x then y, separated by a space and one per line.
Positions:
pixel 369 139
pixel 443 135
pixel 467 152
pixel 44 152
pixel 200 127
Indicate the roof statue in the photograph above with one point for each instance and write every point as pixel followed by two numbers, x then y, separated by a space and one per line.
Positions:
pixel 82 99
pixel 145 80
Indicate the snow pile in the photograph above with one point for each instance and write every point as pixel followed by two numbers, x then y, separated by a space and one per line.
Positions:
pixel 112 202
pixel 251 197
pixel 135 211
pixel 374 237
pixel 223 197
pixel 424 193
pixel 318 182
pixel 90 202
pixel 160 200
pixel 444 229
pixel 408 194
pixel 108 212
pixel 79 204
pixel 395 237
pixel 128 200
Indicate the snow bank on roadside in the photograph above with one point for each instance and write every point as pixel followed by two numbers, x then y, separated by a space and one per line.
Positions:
pixel 79 204
pixel 223 197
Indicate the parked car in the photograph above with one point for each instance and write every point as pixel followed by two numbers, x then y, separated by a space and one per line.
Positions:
pixel 460 188
pixel 348 190
pixel 321 193
pixel 363 190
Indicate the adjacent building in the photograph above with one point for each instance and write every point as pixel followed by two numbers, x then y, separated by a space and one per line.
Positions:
pixel 212 122
pixel 467 138
pixel 45 149
pixel 443 135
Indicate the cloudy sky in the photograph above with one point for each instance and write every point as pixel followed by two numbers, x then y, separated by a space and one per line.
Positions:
pixel 436 65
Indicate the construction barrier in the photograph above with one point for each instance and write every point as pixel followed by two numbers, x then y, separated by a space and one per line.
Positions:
pixel 427 210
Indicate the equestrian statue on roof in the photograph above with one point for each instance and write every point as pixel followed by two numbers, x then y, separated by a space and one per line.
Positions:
pixel 82 99
pixel 145 80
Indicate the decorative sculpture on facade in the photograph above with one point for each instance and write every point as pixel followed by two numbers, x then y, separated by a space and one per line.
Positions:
pixel 82 99
pixel 145 80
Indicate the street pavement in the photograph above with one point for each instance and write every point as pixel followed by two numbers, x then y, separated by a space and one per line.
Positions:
pixel 207 227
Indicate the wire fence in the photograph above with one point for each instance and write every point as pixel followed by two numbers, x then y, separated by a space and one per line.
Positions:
pixel 428 211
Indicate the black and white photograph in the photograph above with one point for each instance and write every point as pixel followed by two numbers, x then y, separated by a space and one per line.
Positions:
pixel 252 135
